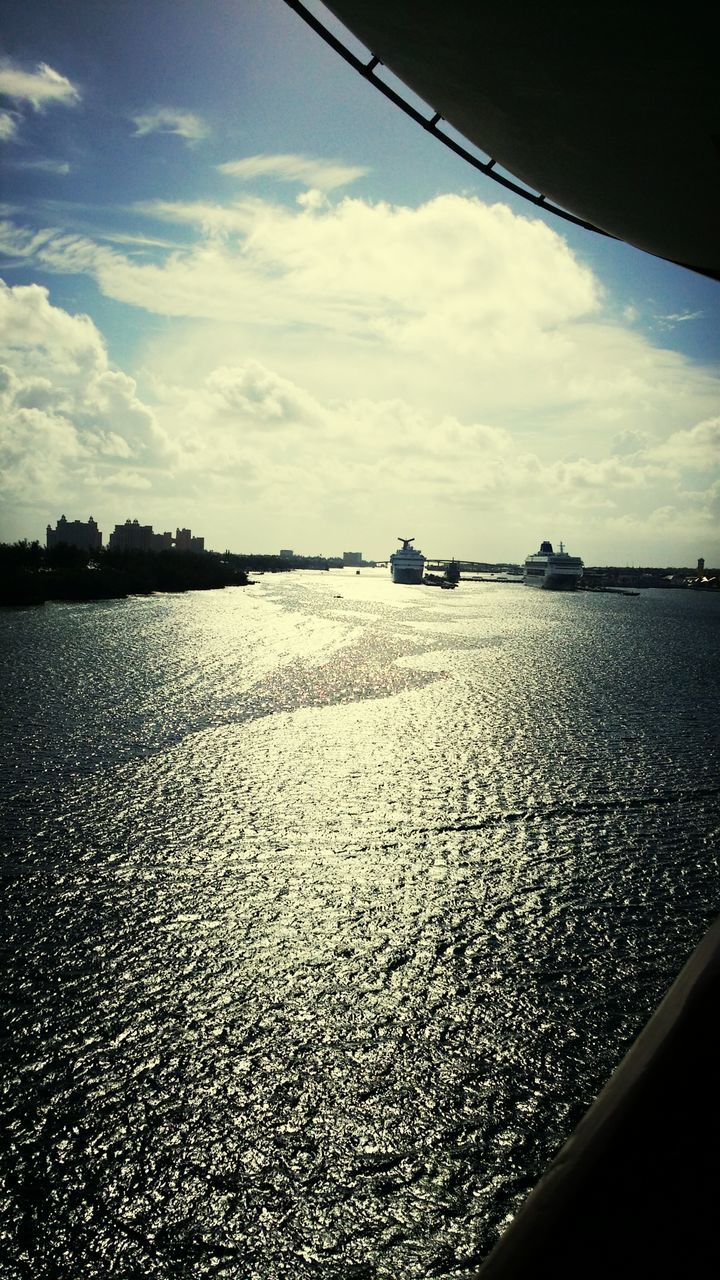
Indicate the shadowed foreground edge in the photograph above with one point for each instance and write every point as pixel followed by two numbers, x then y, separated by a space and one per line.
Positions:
pixel 608 110
pixel 635 1188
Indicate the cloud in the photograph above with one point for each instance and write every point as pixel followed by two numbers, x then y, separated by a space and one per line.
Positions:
pixel 696 448
pixel 454 303
pixel 324 175
pixel 184 124
pixel 125 482
pixel 629 442
pixel 684 521
pixel 580 477
pixel 678 317
pixel 8 126
pixel 256 394
pixel 350 364
pixel 67 418
pixel 355 460
pixel 134 241
pixel 445 271
pixel 59 167
pixel 41 87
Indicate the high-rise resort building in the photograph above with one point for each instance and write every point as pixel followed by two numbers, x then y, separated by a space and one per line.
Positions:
pixel 184 541
pixel 352 557
pixel 133 536
pixel 75 533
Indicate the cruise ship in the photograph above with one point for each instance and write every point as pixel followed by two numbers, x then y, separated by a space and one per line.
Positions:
pixel 407 564
pixel 553 570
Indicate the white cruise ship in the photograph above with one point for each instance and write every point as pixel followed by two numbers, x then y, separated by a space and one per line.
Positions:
pixel 407 564
pixel 553 570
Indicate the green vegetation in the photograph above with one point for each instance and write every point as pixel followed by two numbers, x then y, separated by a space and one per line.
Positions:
pixel 30 574
pixel 255 563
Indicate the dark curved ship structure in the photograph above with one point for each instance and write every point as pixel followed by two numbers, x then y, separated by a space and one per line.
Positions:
pixel 607 115
pixel 604 114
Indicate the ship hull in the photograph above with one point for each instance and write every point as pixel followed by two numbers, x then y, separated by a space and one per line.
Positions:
pixel 554 582
pixel 407 574
pixel 407 564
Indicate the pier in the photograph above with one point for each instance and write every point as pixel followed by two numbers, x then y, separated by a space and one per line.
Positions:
pixel 440 564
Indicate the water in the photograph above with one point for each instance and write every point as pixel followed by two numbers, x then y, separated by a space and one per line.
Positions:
pixel 330 906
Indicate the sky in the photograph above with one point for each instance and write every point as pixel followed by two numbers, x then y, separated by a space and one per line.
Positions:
pixel 241 292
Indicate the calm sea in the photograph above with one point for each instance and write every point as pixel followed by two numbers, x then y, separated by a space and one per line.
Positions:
pixel 329 907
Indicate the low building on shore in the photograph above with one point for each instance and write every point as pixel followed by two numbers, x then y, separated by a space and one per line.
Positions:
pixel 613 576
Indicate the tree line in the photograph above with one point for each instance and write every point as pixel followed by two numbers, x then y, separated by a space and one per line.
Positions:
pixel 32 574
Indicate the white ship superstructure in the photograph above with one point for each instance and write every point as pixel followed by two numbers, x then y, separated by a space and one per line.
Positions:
pixel 552 570
pixel 407 564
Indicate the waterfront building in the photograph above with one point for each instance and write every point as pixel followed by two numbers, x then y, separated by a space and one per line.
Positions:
pixel 352 557
pixel 286 553
pixel 184 541
pixel 133 536
pixel 705 579
pixel 75 533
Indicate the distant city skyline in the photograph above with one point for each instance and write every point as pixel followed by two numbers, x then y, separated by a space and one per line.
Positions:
pixel 127 536
pixel 253 291
pixel 132 534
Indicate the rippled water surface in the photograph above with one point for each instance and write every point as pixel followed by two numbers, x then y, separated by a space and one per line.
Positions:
pixel 330 905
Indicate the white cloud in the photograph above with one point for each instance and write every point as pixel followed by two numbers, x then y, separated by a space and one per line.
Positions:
pixel 257 394
pixel 125 482
pixel 185 124
pixel 325 175
pixel 455 303
pixel 357 460
pixel 66 417
pixel 681 522
pixel 345 366
pixel 59 167
pixel 134 241
pixel 629 442
pixel 8 126
pixel 677 317
pixel 450 271
pixel 41 87
pixel 696 448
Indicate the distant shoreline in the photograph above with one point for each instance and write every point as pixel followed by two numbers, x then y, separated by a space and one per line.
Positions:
pixel 30 575
pixel 24 599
